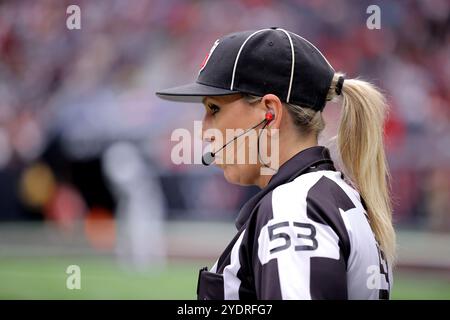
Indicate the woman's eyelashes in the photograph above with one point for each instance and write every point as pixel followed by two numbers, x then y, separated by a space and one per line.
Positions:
pixel 213 108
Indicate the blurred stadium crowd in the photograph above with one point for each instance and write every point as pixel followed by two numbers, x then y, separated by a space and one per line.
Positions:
pixel 81 132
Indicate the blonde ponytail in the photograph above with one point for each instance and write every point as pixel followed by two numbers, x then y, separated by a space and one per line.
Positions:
pixel 360 144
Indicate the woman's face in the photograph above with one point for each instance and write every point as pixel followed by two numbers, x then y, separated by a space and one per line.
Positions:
pixel 233 112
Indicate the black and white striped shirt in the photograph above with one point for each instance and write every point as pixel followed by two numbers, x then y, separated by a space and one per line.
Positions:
pixel 304 236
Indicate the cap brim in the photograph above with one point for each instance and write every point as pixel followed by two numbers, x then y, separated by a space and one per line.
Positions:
pixel 193 92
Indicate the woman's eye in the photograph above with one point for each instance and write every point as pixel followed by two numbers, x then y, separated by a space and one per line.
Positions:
pixel 214 109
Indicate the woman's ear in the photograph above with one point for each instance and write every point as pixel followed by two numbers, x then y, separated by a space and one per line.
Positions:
pixel 272 103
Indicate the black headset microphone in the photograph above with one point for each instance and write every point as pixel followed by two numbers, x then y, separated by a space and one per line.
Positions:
pixel 209 157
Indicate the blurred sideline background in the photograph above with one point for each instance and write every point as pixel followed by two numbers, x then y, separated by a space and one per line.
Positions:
pixel 85 172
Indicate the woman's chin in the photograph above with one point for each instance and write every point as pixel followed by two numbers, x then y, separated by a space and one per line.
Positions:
pixel 233 175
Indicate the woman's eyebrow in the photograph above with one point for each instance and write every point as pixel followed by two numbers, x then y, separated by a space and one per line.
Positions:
pixel 204 100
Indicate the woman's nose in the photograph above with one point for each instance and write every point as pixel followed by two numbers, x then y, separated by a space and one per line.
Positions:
pixel 206 135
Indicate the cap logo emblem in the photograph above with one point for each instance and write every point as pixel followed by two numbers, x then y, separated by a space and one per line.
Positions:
pixel 205 61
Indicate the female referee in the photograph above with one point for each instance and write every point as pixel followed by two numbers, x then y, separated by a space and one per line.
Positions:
pixel 311 232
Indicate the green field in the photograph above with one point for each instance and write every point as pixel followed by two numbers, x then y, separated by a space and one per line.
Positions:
pixel 101 278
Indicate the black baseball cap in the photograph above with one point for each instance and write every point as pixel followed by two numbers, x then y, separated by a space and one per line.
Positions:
pixel 260 62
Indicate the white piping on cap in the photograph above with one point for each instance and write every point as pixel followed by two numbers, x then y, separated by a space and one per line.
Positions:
pixel 292 63
pixel 239 53
pixel 316 49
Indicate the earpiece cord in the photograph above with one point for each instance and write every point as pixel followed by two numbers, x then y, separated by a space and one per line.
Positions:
pixel 235 138
pixel 259 155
